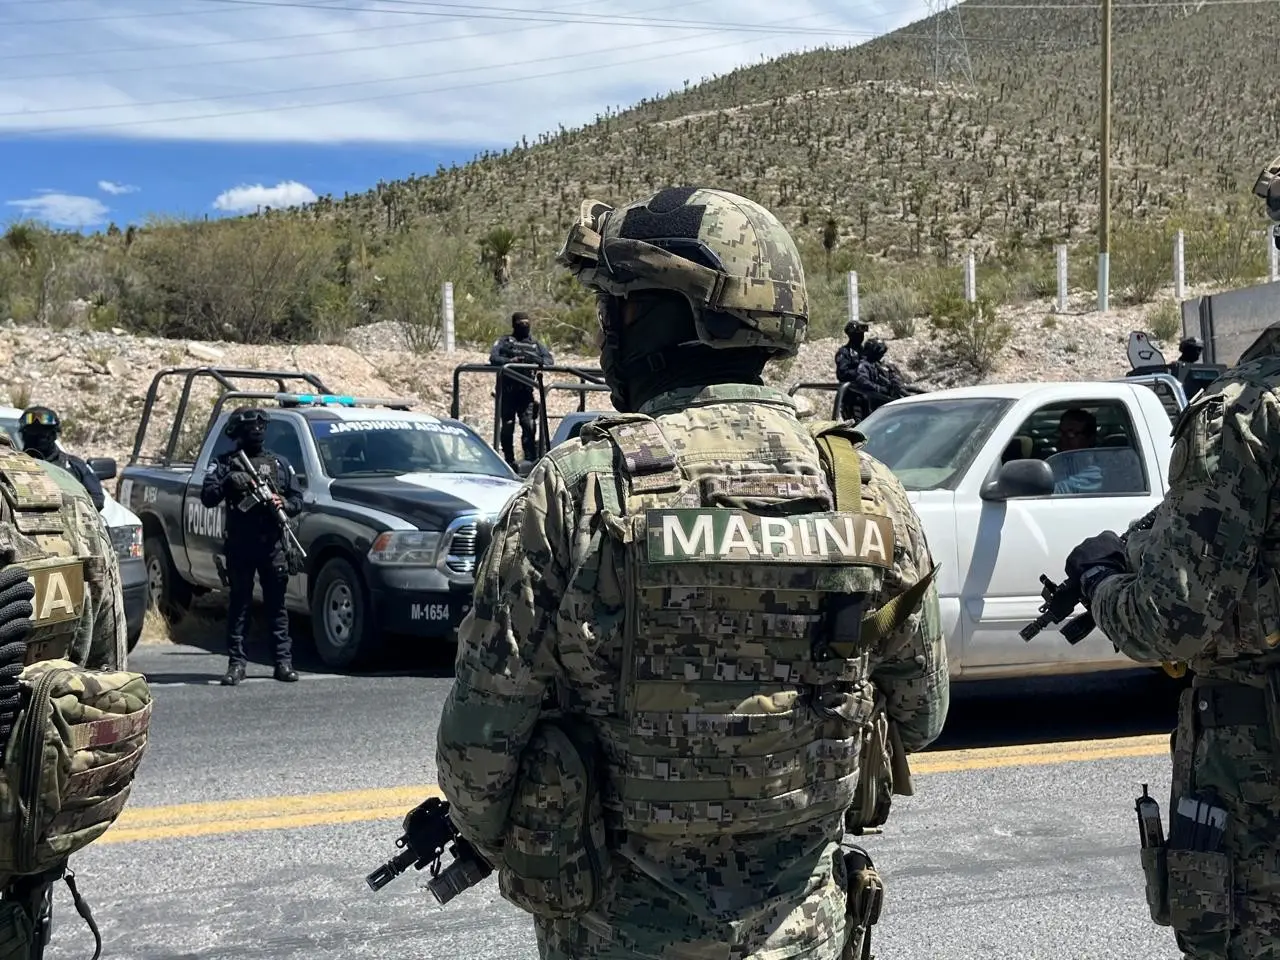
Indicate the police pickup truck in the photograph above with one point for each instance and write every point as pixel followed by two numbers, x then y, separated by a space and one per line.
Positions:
pixel 397 509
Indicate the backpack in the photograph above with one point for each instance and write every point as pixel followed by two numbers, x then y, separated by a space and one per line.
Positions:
pixel 78 735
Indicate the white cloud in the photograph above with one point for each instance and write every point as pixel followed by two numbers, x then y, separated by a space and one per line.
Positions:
pixel 62 209
pixel 115 189
pixel 310 74
pixel 246 198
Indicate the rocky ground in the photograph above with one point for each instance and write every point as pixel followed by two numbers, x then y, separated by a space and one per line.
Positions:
pixel 98 381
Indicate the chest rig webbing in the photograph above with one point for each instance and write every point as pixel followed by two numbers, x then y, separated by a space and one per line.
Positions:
pixel 742 693
pixel 38 529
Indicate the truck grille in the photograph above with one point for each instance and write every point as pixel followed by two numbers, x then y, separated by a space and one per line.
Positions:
pixel 467 546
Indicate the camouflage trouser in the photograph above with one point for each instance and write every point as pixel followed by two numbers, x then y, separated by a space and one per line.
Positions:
pixel 1226 905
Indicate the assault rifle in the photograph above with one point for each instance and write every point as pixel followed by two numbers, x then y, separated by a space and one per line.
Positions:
pixel 1060 599
pixel 427 830
pixel 261 493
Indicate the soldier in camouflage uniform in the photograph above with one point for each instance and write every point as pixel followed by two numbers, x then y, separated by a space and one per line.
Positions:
pixel 96 636
pixel 689 590
pixel 1202 586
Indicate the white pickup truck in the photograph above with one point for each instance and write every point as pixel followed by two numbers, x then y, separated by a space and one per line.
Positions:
pixel 981 465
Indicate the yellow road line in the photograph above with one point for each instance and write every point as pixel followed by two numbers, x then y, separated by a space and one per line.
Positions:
pixel 392 803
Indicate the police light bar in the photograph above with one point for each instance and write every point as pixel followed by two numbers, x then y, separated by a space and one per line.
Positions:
pixel 333 399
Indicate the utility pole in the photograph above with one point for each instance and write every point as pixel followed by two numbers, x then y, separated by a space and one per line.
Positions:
pixel 1104 167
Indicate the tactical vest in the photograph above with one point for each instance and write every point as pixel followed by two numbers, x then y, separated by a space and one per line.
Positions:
pixel 38 531
pixel 743 695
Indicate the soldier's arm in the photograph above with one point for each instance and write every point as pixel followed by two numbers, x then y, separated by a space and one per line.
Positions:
pixel 91 482
pixel 1193 575
pixel 911 666
pixel 212 489
pixel 292 495
pixel 102 641
pixel 845 365
pixel 498 355
pixel 506 657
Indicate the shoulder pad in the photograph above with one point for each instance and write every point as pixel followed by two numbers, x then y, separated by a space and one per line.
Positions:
pixel 601 427
pixel 27 484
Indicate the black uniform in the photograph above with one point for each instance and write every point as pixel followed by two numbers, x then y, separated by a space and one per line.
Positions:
pixel 517 398
pixel 254 543
pixel 40 428
pixel 847 358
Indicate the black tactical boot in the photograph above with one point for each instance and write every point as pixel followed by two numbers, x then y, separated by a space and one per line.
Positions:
pixel 234 674
pixel 285 672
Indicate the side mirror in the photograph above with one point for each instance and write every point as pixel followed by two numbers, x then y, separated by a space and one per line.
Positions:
pixel 104 468
pixel 1020 478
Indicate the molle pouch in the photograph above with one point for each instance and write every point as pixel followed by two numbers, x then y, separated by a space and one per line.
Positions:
pixel 1200 897
pixel 866 897
pixel 873 795
pixel 555 861
pixel 1155 871
pixel 1200 872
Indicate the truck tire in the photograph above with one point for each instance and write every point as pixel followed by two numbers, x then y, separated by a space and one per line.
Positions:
pixel 168 593
pixel 342 621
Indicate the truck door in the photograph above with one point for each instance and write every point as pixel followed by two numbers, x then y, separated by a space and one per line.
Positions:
pixel 203 526
pixel 1103 467
pixel 284 438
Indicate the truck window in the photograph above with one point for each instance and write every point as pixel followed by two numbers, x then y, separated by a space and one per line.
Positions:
pixel 929 445
pixel 282 439
pixel 1092 447
pixel 223 444
pixel 388 447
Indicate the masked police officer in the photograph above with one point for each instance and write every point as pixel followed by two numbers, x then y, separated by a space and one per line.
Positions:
pixel 40 428
pixel 254 541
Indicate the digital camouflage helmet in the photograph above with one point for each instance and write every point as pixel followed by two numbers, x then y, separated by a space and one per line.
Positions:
pixel 727 256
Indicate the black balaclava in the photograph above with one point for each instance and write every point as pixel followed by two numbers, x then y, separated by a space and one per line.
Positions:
pixel 874 350
pixel 660 351
pixel 41 440
pixel 855 331
pixel 251 435
pixel 520 326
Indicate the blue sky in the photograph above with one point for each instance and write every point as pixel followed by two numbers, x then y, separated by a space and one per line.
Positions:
pixel 113 110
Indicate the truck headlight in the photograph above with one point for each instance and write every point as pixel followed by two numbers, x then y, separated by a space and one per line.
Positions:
pixel 405 547
pixel 127 541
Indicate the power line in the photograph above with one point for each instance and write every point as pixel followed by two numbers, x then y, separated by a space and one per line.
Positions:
pixel 240 41
pixel 273 57
pixel 217 115
pixel 607 20
pixel 360 83
pixel 59 21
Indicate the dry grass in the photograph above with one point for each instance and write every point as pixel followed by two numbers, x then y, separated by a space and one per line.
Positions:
pixel 203 626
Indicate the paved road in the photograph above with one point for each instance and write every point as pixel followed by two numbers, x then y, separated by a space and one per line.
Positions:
pixel 260 809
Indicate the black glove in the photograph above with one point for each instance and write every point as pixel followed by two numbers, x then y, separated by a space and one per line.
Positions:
pixel 1094 560
pixel 238 482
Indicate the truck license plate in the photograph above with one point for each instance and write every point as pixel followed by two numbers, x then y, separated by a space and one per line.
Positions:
pixel 429 611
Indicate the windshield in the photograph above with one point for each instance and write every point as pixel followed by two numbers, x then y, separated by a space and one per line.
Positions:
pixel 929 445
pixel 372 448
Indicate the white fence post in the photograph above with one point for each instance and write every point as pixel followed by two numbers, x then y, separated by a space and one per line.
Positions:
pixel 1179 266
pixel 1062 278
pixel 446 296
pixel 1104 282
pixel 852 295
pixel 970 278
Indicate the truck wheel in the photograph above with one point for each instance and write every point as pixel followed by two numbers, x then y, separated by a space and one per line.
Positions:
pixel 341 621
pixel 167 591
